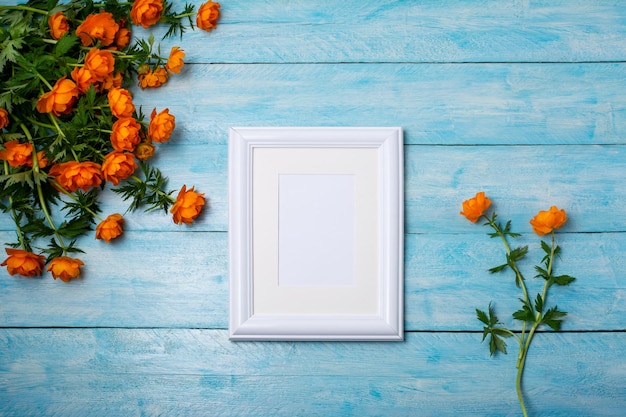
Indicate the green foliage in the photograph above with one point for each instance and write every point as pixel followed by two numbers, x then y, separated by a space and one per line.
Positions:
pixel 45 210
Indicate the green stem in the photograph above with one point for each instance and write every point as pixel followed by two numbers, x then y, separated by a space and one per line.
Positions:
pixel 18 229
pixel 25 9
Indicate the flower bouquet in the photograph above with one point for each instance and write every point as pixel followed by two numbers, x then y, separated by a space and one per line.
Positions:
pixel 534 312
pixel 69 128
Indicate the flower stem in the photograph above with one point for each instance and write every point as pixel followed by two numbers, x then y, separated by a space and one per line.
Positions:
pixel 24 9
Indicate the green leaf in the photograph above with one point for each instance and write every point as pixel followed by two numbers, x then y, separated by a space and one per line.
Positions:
pixel 498 268
pixel 482 316
pixel 64 44
pixel 552 318
pixel 539 303
pixel 541 272
pixel 518 254
pixel 563 279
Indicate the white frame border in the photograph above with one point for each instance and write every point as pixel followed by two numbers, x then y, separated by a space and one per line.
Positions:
pixel 388 324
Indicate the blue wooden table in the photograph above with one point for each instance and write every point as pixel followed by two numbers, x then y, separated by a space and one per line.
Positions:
pixel 523 100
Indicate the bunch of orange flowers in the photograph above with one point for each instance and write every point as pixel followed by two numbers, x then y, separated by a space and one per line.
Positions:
pixel 68 125
pixel 534 312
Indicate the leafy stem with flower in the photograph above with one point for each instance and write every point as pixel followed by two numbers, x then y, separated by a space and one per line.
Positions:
pixel 533 312
pixel 68 125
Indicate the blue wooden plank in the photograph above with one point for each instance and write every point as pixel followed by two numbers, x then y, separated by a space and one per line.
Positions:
pixel 585 180
pixel 435 104
pixel 156 279
pixel 199 372
pixel 412 31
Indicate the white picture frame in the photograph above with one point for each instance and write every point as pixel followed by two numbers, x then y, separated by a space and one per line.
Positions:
pixel 316 233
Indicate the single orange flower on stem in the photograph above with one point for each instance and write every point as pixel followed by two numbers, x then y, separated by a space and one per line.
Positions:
pixel 208 14
pixel 474 207
pixel 98 27
pixel 175 61
pixel 58 24
pixel 547 220
pixel 23 263
pixel 73 175
pixel 146 13
pixel 4 118
pixel 126 134
pixel 187 206
pixel 17 154
pixel 121 102
pixel 100 63
pixel 161 126
pixel 110 228
pixel 60 100
pixel 65 268
pixel 152 79
pixel 118 166
pixel 144 151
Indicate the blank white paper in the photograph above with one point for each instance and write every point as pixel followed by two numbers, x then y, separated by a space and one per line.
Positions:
pixel 316 230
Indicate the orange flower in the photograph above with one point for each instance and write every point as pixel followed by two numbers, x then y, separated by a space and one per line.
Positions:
pixel 121 102
pixel 146 12
pixel 175 61
pixel 23 263
pixel 122 38
pixel 65 268
pixel 126 134
pixel 153 79
pixel 474 207
pixel 547 220
pixel 113 81
pixel 118 166
pixel 187 206
pixel 144 151
pixel 4 118
pixel 161 126
pixel 83 78
pixel 110 228
pixel 207 16
pixel 58 25
pixel 100 63
pixel 17 154
pixel 42 161
pixel 98 27
pixel 60 100
pixel 73 175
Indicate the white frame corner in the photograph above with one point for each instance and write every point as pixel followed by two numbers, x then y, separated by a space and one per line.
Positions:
pixel 387 322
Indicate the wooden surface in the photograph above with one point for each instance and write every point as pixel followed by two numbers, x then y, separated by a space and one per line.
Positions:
pixel 524 100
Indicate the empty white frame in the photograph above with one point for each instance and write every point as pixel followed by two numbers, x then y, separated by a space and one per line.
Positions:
pixel 316 233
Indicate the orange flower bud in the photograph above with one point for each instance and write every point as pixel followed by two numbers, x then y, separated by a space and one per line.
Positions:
pixel 83 78
pixel 118 166
pixel 23 263
pixel 207 16
pixel 100 63
pixel 60 100
pixel 187 206
pixel 58 25
pixel 146 12
pixel 126 134
pixel 474 207
pixel 144 151
pixel 175 61
pixel 4 118
pixel 65 268
pixel 161 126
pixel 547 220
pixel 153 79
pixel 17 154
pixel 121 102
pixel 98 27
pixel 73 175
pixel 110 228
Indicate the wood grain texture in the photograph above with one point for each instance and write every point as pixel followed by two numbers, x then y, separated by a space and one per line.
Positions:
pixel 199 372
pixel 524 100
pixel 429 31
pixel 442 104
pixel 446 279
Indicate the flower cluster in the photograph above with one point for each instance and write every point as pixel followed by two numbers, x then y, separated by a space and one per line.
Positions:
pixel 69 128
pixel 534 312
